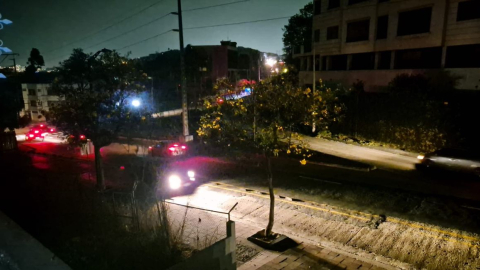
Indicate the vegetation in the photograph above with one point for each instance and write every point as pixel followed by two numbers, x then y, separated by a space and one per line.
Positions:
pixel 267 123
pixel 96 93
pixel 298 31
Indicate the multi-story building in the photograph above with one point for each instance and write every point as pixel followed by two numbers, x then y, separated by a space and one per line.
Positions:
pixel 38 98
pixel 375 40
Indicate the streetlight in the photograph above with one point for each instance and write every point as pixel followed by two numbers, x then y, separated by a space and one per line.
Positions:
pixel 136 103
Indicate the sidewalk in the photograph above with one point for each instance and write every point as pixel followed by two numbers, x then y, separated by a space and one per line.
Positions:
pixel 373 156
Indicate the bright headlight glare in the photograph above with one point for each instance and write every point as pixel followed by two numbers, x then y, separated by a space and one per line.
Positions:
pixel 421 157
pixel 191 174
pixel 174 181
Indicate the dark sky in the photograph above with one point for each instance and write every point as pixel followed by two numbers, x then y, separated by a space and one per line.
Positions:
pixel 55 27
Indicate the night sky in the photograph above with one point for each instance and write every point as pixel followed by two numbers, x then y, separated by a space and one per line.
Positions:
pixel 55 27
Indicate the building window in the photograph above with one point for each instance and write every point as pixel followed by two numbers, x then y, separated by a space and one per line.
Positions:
pixel 358 31
pixel 468 10
pixel 414 22
pixel 384 60
pixel 317 35
pixel 324 63
pixel 332 32
pixel 33 103
pixel 24 90
pixel 333 4
pixel 419 58
pixel 362 61
pixel 465 56
pixel 317 5
pixel 32 92
pixel 382 27
pixel 317 62
pixel 338 62
pixel 353 2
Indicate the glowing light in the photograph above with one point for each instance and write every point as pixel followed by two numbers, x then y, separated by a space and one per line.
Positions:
pixel 175 145
pixel 135 103
pixel 285 70
pixel 82 137
pixel 191 174
pixel 175 182
pixel 270 62
pixel 150 148
pixel 184 147
pixel 36 131
pixel 122 168
pixel 420 157
pixel 31 135
pixel 171 148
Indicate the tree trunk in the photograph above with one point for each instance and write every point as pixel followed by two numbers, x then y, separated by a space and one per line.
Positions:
pixel 99 168
pixel 271 215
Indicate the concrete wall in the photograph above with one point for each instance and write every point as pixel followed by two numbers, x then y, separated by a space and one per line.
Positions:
pixel 376 79
pixel 219 256
pixel 19 250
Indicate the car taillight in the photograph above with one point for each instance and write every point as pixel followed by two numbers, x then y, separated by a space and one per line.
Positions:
pixel 184 147
pixel 51 130
pixel 31 135
pixel 82 137
pixel 171 149
pixel 176 145
pixel 150 148
pixel 41 125
pixel 36 131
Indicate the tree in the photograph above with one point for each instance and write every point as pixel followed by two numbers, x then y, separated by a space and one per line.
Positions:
pixel 96 95
pixel 11 103
pixel 298 31
pixel 279 107
pixel 35 61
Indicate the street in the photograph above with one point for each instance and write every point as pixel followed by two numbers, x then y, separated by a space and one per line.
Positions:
pixel 412 202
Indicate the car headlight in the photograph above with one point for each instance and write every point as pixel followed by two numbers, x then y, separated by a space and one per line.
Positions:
pixel 175 182
pixel 420 157
pixel 191 174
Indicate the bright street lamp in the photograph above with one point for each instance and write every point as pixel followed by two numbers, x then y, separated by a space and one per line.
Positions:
pixel 271 62
pixel 135 103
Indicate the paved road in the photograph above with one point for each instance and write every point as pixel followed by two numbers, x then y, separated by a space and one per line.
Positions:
pixel 378 158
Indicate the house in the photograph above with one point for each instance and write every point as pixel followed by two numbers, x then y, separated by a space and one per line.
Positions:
pixel 375 40
pixel 38 99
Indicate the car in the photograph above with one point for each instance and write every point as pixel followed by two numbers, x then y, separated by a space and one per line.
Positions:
pixel 452 159
pixel 39 131
pixel 167 149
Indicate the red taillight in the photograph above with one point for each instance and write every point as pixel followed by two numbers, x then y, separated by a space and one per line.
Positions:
pixel 41 125
pixel 175 145
pixel 31 135
pixel 171 149
pixel 184 147
pixel 82 137
pixel 150 148
pixel 122 168
pixel 51 130
pixel 36 131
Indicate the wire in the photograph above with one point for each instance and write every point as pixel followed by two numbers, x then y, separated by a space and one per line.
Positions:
pixel 219 5
pixel 133 44
pixel 108 27
pixel 124 33
pixel 228 24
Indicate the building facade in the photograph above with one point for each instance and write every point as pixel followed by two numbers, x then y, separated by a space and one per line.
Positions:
pixel 375 40
pixel 38 99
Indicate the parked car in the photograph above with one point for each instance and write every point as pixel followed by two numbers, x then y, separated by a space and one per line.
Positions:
pixel 39 131
pixel 452 159
pixel 167 149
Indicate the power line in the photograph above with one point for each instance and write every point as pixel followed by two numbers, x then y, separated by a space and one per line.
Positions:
pixel 219 5
pixel 133 44
pixel 229 24
pixel 108 27
pixel 136 28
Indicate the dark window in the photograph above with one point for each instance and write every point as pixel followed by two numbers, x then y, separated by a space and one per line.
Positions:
pixel 33 103
pixel 307 47
pixel 353 2
pixel 297 50
pixel 465 56
pixel 358 31
pixel 324 63
pixel 317 36
pixel 384 60
pixel 232 59
pixel 332 32
pixel 333 4
pixel 338 62
pixel 24 90
pixel 32 92
pixel 317 62
pixel 468 10
pixel 414 21
pixel 419 58
pixel 362 61
pixel 318 7
pixel 382 27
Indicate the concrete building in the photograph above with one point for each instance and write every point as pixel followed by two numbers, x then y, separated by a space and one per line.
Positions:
pixel 375 40
pixel 38 99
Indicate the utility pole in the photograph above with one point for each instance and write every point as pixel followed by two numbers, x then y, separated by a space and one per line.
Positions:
pixel 182 74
